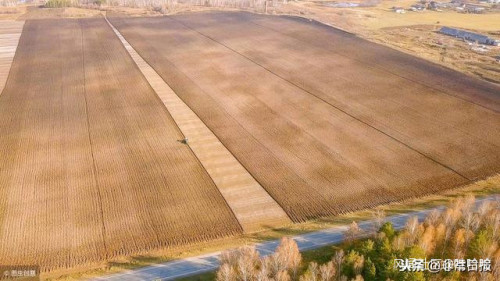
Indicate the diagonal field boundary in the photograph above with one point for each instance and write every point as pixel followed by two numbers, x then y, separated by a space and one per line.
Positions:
pixel 251 204
pixel 205 263
pixel 10 32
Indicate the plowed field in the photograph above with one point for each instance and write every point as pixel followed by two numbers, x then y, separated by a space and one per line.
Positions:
pixel 325 121
pixel 91 166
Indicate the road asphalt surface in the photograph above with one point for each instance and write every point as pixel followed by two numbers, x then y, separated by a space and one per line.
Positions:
pixel 196 265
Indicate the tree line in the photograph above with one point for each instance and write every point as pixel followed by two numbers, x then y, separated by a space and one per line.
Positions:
pixel 461 232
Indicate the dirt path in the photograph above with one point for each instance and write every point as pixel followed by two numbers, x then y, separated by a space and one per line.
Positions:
pixel 10 32
pixel 251 204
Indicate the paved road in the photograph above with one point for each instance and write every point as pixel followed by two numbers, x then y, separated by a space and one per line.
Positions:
pixel 209 262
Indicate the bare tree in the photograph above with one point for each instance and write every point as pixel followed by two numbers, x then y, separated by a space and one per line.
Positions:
pixel 451 216
pixel 312 272
pixel 306 277
pixel 295 259
pixel 426 241
pixel 275 264
pixel 447 236
pixel 327 271
pixel 458 242
pixel 247 261
pixel 229 257
pixel 282 276
pixel 485 209
pixel 440 233
pixel 286 257
pixel 495 269
pixel 338 259
pixel 240 263
pixel 470 223
pixel 433 217
pixel 493 221
pixel 358 265
pixel 469 203
pixel 458 204
pixel 226 273
pixel 263 272
pixel 358 278
pixel 412 229
pixel 441 239
pixel 379 219
pixel 352 232
pixel 399 242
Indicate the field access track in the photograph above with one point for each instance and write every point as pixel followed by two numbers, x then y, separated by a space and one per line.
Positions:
pixel 325 122
pixel 91 163
pixel 10 32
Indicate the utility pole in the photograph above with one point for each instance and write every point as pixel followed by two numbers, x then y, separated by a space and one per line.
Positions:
pixel 443 53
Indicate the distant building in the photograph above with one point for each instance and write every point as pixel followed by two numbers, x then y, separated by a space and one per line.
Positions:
pixel 432 5
pixel 417 7
pixel 474 9
pixel 469 36
pixel 399 10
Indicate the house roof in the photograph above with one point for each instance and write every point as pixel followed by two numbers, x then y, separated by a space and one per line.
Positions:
pixel 464 34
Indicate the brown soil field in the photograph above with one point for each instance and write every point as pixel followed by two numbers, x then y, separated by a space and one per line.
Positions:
pixel 90 163
pixel 254 209
pixel 325 121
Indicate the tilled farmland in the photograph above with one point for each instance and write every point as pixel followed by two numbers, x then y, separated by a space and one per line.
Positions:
pixel 300 116
pixel 326 122
pixel 91 166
